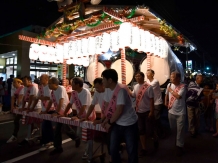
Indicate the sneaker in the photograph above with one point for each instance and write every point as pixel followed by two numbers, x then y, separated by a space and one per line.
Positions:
pixel 34 131
pixel 142 153
pixel 24 142
pixel 56 151
pixel 45 146
pixel 85 156
pixel 77 142
pixel 12 139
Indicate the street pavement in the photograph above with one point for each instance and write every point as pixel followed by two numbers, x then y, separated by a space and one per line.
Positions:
pixel 202 149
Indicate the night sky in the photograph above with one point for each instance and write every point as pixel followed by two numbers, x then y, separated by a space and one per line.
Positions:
pixel 195 19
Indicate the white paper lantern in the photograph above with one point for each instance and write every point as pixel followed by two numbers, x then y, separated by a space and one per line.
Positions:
pixel 152 44
pixel 51 54
pixel 105 42
pixel 95 2
pixel 59 51
pixel 142 41
pixel 160 53
pixel 125 35
pixel 86 62
pixel 79 48
pixel 156 46
pixel 34 51
pixel 91 46
pixel 165 47
pixel 114 41
pixel 43 53
pixel 98 42
pixel 84 47
pixel 66 51
pixel 135 38
pixel 72 49
pixel 147 41
pixel 70 61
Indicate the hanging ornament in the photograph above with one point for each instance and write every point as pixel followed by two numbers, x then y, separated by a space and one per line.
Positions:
pixel 51 54
pixel 98 42
pixel 85 61
pixel 142 41
pixel 79 48
pixel 147 41
pixel 59 50
pixel 72 49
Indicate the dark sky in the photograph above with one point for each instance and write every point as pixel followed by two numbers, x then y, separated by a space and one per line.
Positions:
pixel 195 19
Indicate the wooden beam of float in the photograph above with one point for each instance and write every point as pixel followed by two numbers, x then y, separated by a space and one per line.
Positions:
pixel 35 40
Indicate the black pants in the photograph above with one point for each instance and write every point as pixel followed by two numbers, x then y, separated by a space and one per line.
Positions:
pixel 17 118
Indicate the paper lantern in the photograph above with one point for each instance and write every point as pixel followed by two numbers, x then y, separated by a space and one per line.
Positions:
pixel 84 47
pixel 95 2
pixel 34 51
pixel 66 51
pixel 91 46
pixel 72 49
pixel 147 41
pixel 125 35
pixel 43 53
pixel 152 44
pixel 160 47
pixel 69 61
pixel 51 54
pixel 79 48
pixel 105 42
pixel 156 46
pixel 114 41
pixel 98 42
pixel 142 41
pixel 59 51
pixel 135 38
pixel 165 47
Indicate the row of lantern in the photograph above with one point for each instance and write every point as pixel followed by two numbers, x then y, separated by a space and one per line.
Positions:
pixel 126 36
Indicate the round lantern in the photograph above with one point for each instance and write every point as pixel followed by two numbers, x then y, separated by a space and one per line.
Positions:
pixel 114 41
pixel 105 42
pixel 135 38
pixel 91 46
pixel 34 51
pixel 125 35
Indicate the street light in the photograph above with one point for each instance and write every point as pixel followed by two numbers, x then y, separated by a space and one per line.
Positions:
pixel 207 68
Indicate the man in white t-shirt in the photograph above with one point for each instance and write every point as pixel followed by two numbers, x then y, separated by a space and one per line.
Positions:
pixel 47 128
pixel 30 94
pixel 121 118
pixel 158 102
pixel 60 99
pixel 144 95
pixel 83 96
pixel 175 102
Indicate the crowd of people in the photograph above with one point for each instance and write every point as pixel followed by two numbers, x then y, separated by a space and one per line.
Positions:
pixel 124 122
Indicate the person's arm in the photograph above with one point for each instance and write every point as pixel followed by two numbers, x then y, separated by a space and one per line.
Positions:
pixel 60 104
pixel 81 110
pixel 34 103
pixel 49 105
pixel 69 105
pixel 118 112
pixel 90 110
pixel 12 103
pixel 176 95
pixel 20 100
pixel 151 114
pixel 31 100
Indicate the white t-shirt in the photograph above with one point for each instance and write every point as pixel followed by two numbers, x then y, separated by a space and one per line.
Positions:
pixel 46 93
pixel 85 86
pixel 129 115
pixel 179 106
pixel 98 98
pixel 33 91
pixel 84 97
pixel 20 93
pixel 13 89
pixel 157 92
pixel 145 103
pixel 60 93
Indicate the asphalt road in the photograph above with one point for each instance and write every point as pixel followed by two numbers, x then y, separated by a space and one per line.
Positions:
pixel 202 149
